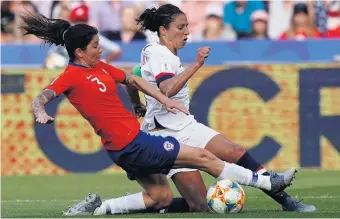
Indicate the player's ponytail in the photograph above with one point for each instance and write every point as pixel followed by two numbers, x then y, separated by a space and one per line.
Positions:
pixel 147 20
pixel 151 19
pixel 59 32
pixel 51 31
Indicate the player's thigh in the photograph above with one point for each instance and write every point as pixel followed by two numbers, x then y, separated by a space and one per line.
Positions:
pixel 205 137
pixel 192 188
pixel 225 149
pixel 198 158
pixel 195 134
pixel 157 189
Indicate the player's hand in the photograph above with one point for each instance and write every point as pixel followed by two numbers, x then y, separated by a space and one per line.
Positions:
pixel 172 105
pixel 139 110
pixel 202 54
pixel 44 119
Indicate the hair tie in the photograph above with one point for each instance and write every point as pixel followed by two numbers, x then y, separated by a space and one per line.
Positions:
pixel 65 33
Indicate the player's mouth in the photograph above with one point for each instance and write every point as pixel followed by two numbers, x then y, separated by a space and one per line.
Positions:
pixel 185 40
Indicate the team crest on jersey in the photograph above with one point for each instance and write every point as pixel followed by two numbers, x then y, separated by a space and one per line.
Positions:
pixel 168 146
pixel 145 59
pixel 166 67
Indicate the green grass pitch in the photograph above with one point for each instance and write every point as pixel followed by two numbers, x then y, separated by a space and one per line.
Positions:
pixel 47 196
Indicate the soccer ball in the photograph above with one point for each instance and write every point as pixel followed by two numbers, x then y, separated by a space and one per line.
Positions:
pixel 225 196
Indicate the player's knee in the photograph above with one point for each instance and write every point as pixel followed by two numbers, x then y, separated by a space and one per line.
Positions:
pixel 199 205
pixel 167 200
pixel 203 156
pixel 239 150
pixel 163 199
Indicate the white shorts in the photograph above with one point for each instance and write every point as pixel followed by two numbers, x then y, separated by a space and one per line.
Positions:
pixel 195 134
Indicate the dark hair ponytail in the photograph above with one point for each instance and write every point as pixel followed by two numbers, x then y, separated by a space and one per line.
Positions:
pixel 151 19
pixel 50 30
pixel 59 32
pixel 147 19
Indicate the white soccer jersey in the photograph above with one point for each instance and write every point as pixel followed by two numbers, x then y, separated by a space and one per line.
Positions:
pixel 158 63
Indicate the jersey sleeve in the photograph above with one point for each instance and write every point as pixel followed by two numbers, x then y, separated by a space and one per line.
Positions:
pixel 61 84
pixel 116 74
pixel 160 67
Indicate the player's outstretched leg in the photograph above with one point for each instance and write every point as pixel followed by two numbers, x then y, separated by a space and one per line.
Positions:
pixel 231 152
pixel 191 157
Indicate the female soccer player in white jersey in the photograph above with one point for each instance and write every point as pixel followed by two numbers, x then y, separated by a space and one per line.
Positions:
pixel 161 66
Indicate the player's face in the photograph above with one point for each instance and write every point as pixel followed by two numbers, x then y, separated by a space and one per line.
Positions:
pixel 178 31
pixel 93 52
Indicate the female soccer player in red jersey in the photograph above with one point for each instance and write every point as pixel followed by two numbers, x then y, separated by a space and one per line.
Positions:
pixel 91 87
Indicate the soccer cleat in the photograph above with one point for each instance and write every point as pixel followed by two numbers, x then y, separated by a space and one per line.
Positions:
pixel 85 207
pixel 282 180
pixel 293 205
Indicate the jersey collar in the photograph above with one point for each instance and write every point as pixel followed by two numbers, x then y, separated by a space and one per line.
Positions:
pixel 78 65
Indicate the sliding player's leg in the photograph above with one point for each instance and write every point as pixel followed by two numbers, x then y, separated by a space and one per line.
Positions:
pixel 157 195
pixel 154 154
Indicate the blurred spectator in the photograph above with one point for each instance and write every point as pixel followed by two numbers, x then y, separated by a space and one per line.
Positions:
pixel 280 13
pixel 21 7
pixel 64 13
pixel 195 12
pixel 129 31
pixel 213 25
pixel 237 15
pixel 58 6
pixel 105 16
pixel 259 21
pixel 58 56
pixel 7 22
pixel 302 26
pixel 44 7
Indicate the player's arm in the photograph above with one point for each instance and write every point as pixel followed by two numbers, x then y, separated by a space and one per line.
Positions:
pixel 38 106
pixel 150 90
pixel 59 85
pixel 132 90
pixel 138 107
pixel 170 87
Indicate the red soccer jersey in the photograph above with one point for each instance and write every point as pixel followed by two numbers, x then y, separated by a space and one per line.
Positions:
pixel 93 92
pixel 300 35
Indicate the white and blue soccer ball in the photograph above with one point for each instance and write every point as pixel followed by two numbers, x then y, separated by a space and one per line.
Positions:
pixel 225 196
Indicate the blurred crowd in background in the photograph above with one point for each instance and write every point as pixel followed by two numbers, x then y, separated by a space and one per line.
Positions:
pixel 208 20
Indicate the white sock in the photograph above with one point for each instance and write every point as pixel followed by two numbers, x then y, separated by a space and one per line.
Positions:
pixel 122 205
pixel 244 176
pixel 261 171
